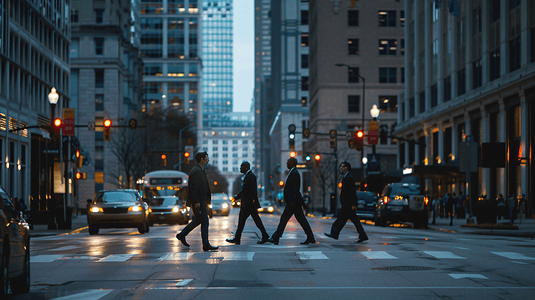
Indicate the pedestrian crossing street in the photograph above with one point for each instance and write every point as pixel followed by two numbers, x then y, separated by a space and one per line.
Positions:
pixel 223 256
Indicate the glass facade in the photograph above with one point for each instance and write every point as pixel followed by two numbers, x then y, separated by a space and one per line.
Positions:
pixel 217 61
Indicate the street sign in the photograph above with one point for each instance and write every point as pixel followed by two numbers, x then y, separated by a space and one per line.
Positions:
pixel 349 134
pixel 91 126
pixel 374 164
pixel 373 133
pixel 68 121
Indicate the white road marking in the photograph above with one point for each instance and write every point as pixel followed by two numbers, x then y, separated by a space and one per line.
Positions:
pixel 443 254
pixel 117 257
pixel 377 255
pixel 311 255
pixel 183 282
pixel 45 258
pixel 514 255
pixel 176 256
pixel 461 276
pixel 90 295
pixel 276 246
pixel 462 248
pixel 243 256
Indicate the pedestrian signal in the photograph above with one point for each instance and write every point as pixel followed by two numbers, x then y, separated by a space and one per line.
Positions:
pixel 107 125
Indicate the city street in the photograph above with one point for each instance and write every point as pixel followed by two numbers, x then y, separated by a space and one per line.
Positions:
pixel 397 262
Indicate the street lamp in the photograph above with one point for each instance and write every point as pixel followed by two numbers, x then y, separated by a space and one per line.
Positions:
pixel 53 98
pixel 374 112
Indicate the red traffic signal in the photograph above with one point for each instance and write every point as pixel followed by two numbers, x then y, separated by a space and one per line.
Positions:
pixel 293 154
pixel 164 160
pixel 317 158
pixel 57 123
pixel 107 123
pixel 163 156
pixel 281 183
pixel 359 134
pixel 359 138
pixel 186 157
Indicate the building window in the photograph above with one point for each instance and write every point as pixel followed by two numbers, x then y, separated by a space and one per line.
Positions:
pixel 434 95
pixel 304 17
pixel 304 83
pixel 225 148
pixel 461 82
pixel 477 78
pixel 304 101
pixel 421 98
pixel 244 155
pixel 99 102
pixel 352 18
pixel 234 142
pixel 234 155
pixel 215 149
pixel 352 75
pixel 225 155
pixel 205 142
pixel 412 107
pixel 402 73
pixel 388 47
pixel 304 61
pixel 353 46
pixel 494 64
pixel 387 75
pixel 304 39
pixel 387 18
pixel 215 142
pixel 245 142
pixel 388 103
pixel 99 46
pixel 99 78
pixel 99 16
pixel 402 18
pixel 402 47
pixel 74 16
pixel 514 54
pixel 353 103
pixel 447 89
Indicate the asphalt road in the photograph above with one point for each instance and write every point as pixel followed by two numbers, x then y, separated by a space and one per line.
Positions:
pixel 397 262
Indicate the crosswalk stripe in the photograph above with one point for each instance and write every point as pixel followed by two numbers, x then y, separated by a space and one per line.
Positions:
pixel 234 255
pixel 460 276
pixel 377 255
pixel 64 248
pixel 311 255
pixel 514 255
pixel 90 295
pixel 176 256
pixel 117 258
pixel 443 254
pixel 46 258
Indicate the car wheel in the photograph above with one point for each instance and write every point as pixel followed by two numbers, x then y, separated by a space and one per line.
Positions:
pixel 147 227
pixel 383 222
pixel 21 284
pixel 93 229
pixel 4 281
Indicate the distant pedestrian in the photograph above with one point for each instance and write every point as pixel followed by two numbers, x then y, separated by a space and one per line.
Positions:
pixel 199 197
pixel 459 209
pixel 249 205
pixel 500 206
pixel 449 202
pixel 434 207
pixel 294 205
pixel 349 201
pixel 512 208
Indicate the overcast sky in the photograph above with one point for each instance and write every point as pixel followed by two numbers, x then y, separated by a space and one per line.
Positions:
pixel 243 54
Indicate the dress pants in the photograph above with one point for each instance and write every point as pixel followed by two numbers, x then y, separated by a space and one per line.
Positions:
pixel 297 211
pixel 200 218
pixel 244 214
pixel 342 216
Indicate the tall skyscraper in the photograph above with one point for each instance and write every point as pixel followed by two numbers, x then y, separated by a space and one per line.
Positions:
pixel 217 61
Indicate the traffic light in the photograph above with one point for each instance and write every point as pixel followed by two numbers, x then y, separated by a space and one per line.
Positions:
pixel 293 154
pixel 306 133
pixel 281 183
pixel 107 125
pixel 164 160
pixel 57 124
pixel 307 159
pixel 186 157
pixel 317 158
pixel 79 158
pixel 291 136
pixel 332 135
pixel 359 138
pixel 80 175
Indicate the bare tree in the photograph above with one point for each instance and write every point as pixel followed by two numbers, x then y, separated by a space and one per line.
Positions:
pixel 127 146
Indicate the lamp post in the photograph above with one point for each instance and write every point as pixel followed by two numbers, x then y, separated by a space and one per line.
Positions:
pixel 374 112
pixel 363 107
pixel 53 98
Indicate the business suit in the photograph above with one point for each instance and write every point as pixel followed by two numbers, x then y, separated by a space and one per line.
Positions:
pixel 348 200
pixel 198 192
pixel 294 206
pixel 249 206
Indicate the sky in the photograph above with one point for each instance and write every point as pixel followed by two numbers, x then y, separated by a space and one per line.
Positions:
pixel 243 54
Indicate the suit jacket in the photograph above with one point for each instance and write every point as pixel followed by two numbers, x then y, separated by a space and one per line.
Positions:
pixel 198 187
pixel 348 192
pixel 292 195
pixel 248 193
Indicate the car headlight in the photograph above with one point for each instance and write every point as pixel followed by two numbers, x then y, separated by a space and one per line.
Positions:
pixel 210 205
pixel 184 211
pixel 225 205
pixel 134 208
pixel 271 209
pixel 175 209
pixel 96 209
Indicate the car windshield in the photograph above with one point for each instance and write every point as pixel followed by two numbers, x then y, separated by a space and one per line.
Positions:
pixel 115 197
pixel 163 201
pixel 219 200
pixel 405 190
pixel 367 196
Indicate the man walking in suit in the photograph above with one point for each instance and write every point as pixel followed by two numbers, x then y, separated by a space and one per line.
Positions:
pixel 199 197
pixel 294 205
pixel 249 205
pixel 349 201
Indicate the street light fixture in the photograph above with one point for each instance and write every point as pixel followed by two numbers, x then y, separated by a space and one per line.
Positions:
pixel 53 98
pixel 374 112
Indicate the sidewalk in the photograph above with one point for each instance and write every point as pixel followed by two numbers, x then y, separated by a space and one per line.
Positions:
pixel 79 223
pixel 525 229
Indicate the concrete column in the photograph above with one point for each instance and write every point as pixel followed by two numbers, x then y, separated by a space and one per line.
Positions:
pixel 407 163
pixel 467 29
pixel 524 142
pixel 454 87
pixel 502 134
pixel 416 150
pixel 467 125
pixel 524 36
pixel 441 143
pixel 484 42
pixel 485 180
pixel 428 75
pixel 428 142
pixel 454 144
pixel 503 37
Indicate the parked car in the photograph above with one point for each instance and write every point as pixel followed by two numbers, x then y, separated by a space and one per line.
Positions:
pixel 367 205
pixel 14 249
pixel 403 202
pixel 122 208
pixel 168 209
pixel 266 206
pixel 220 204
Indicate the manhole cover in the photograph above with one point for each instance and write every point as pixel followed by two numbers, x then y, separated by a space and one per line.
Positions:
pixel 403 268
pixel 290 269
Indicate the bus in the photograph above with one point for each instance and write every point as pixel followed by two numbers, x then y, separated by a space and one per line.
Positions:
pixel 165 183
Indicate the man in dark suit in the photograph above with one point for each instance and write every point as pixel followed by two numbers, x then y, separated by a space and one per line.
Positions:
pixel 249 205
pixel 349 201
pixel 294 205
pixel 199 197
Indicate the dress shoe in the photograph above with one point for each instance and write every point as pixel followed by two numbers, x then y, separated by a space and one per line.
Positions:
pixel 182 239
pixel 263 241
pixel 308 241
pixel 208 247
pixel 331 236
pixel 233 241
pixel 272 240
pixel 360 240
